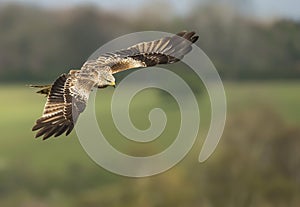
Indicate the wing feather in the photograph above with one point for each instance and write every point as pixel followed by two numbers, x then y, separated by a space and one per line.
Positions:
pixel 64 104
pixel 166 50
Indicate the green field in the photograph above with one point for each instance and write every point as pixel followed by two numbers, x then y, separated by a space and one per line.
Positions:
pixel 58 171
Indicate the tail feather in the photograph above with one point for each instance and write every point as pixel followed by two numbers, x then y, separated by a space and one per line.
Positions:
pixel 44 89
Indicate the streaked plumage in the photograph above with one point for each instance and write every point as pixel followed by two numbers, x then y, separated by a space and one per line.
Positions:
pixel 68 95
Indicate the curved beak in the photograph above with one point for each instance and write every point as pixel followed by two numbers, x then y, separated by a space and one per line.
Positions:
pixel 113 84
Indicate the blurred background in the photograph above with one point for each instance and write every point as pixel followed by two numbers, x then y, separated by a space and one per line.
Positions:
pixel 255 46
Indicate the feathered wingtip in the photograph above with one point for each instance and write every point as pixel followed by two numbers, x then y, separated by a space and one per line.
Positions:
pixel 44 89
pixel 190 36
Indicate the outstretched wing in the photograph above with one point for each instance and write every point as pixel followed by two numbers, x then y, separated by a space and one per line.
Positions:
pixel 66 100
pixel 163 51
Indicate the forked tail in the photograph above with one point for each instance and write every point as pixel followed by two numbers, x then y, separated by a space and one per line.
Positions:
pixel 44 89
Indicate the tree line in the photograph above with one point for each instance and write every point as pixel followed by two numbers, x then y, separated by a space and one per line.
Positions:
pixel 38 43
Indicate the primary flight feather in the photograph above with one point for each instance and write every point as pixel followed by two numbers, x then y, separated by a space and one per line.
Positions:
pixel 68 95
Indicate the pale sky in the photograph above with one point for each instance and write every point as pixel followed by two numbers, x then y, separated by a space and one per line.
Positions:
pixel 261 8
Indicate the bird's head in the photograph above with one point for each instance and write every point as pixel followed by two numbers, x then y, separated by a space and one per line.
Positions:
pixel 106 78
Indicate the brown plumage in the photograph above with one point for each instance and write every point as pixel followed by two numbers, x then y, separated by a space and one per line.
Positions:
pixel 58 115
pixel 166 50
pixel 68 95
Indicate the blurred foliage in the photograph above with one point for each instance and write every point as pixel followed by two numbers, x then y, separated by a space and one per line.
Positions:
pixel 251 167
pixel 38 43
pixel 257 162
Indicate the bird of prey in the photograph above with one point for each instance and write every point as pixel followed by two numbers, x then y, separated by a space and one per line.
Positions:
pixel 68 95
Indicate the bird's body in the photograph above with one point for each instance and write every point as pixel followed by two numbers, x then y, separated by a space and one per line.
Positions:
pixel 68 95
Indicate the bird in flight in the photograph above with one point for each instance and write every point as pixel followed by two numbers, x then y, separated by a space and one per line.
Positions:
pixel 68 95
